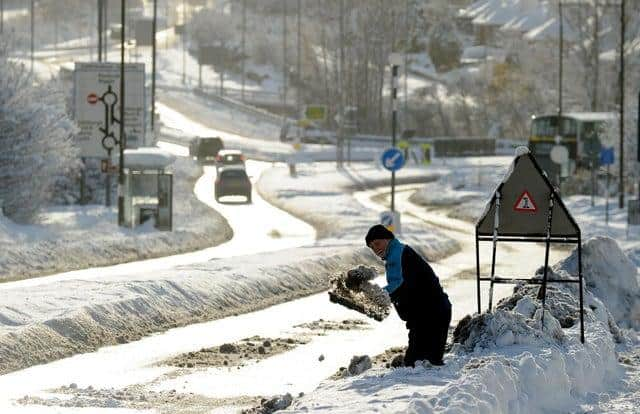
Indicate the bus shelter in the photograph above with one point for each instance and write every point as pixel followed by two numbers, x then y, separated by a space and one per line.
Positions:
pixel 148 188
pixel 526 207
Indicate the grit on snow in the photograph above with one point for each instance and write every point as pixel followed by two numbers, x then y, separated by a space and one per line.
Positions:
pixel 77 237
pixel 506 362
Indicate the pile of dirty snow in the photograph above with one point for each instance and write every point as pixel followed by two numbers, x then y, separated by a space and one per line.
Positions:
pixel 354 290
pixel 507 361
pixel 61 318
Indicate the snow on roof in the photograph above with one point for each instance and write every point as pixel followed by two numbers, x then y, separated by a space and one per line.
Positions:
pixel 497 13
pixel 549 30
pixel 474 9
pixel 480 53
pixel 527 21
pixel 151 158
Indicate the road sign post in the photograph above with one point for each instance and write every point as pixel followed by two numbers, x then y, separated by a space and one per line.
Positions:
pixel 392 159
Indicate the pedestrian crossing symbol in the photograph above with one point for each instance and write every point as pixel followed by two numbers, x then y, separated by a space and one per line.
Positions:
pixel 525 203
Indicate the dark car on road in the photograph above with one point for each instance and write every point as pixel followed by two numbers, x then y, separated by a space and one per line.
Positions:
pixel 205 149
pixel 232 181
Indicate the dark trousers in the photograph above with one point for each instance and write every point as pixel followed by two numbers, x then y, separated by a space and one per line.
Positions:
pixel 427 339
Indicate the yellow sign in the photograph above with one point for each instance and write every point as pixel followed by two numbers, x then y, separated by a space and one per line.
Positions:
pixel 315 112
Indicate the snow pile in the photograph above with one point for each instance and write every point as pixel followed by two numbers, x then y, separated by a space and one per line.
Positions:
pixel 354 290
pixel 76 237
pixel 63 318
pixel 506 361
pixel 611 276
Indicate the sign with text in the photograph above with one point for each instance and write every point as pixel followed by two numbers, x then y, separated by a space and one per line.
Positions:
pixel 96 106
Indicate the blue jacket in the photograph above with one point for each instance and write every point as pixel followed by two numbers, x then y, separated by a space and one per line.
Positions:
pixel 393 265
pixel 413 286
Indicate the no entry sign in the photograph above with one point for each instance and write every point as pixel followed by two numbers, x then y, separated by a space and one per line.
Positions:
pixel 92 98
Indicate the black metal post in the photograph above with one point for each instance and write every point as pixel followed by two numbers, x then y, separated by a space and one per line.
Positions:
pixel 495 248
pixel 580 295
pixel 478 271
pixel 394 120
pixel 547 245
pixel 107 185
pixel 153 64
pixel 123 138
pixel 622 39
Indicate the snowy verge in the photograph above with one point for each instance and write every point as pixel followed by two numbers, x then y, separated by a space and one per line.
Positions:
pixel 63 318
pixel 505 362
pixel 321 196
pixel 78 237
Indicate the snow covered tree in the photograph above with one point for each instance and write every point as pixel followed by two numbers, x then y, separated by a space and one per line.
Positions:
pixel 36 137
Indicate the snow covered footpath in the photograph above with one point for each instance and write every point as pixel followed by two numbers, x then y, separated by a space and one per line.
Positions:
pixel 321 195
pixel 77 237
pixel 72 316
pixel 504 362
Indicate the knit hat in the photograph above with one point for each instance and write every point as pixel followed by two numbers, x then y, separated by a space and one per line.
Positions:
pixel 378 232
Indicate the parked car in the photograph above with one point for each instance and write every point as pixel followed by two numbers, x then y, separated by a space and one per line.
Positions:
pixel 228 157
pixel 205 149
pixel 232 180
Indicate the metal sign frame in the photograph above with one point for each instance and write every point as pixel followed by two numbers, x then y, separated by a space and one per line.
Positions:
pixel 547 235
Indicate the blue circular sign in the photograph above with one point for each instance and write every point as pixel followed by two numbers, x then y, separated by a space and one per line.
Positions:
pixel 392 159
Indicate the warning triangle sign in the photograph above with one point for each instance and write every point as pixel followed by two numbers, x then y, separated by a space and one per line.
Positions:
pixel 525 203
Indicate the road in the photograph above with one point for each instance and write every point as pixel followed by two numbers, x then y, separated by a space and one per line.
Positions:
pixel 135 367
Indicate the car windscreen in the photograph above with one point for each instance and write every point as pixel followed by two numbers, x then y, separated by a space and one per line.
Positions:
pixel 233 174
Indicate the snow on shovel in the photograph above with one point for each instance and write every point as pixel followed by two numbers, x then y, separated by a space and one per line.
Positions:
pixel 354 290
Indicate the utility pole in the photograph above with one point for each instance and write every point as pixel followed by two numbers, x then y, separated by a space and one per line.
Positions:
pixel 340 146
pixel 100 29
pixel 405 111
pixel 622 39
pixel 560 57
pixel 153 64
pixel 122 142
pixel 299 63
pixel 596 52
pixel 184 42
pixel 284 59
pixel 244 46
pixel 32 13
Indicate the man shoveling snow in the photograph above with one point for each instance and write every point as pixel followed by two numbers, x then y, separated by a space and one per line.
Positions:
pixel 414 290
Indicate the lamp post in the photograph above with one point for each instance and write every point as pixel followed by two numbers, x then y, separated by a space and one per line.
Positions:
pixel 395 60
pixel 153 64
pixel 122 140
pixel 621 73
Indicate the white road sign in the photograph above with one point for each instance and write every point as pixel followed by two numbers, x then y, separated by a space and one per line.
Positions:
pixel 96 106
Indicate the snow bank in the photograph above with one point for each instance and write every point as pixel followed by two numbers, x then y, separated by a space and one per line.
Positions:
pixel 77 237
pixel 505 361
pixel 320 195
pixel 63 318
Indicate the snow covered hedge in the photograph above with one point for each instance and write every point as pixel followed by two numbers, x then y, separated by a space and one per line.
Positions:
pixel 36 137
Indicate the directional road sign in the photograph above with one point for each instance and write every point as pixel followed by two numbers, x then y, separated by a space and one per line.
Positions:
pixel 392 159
